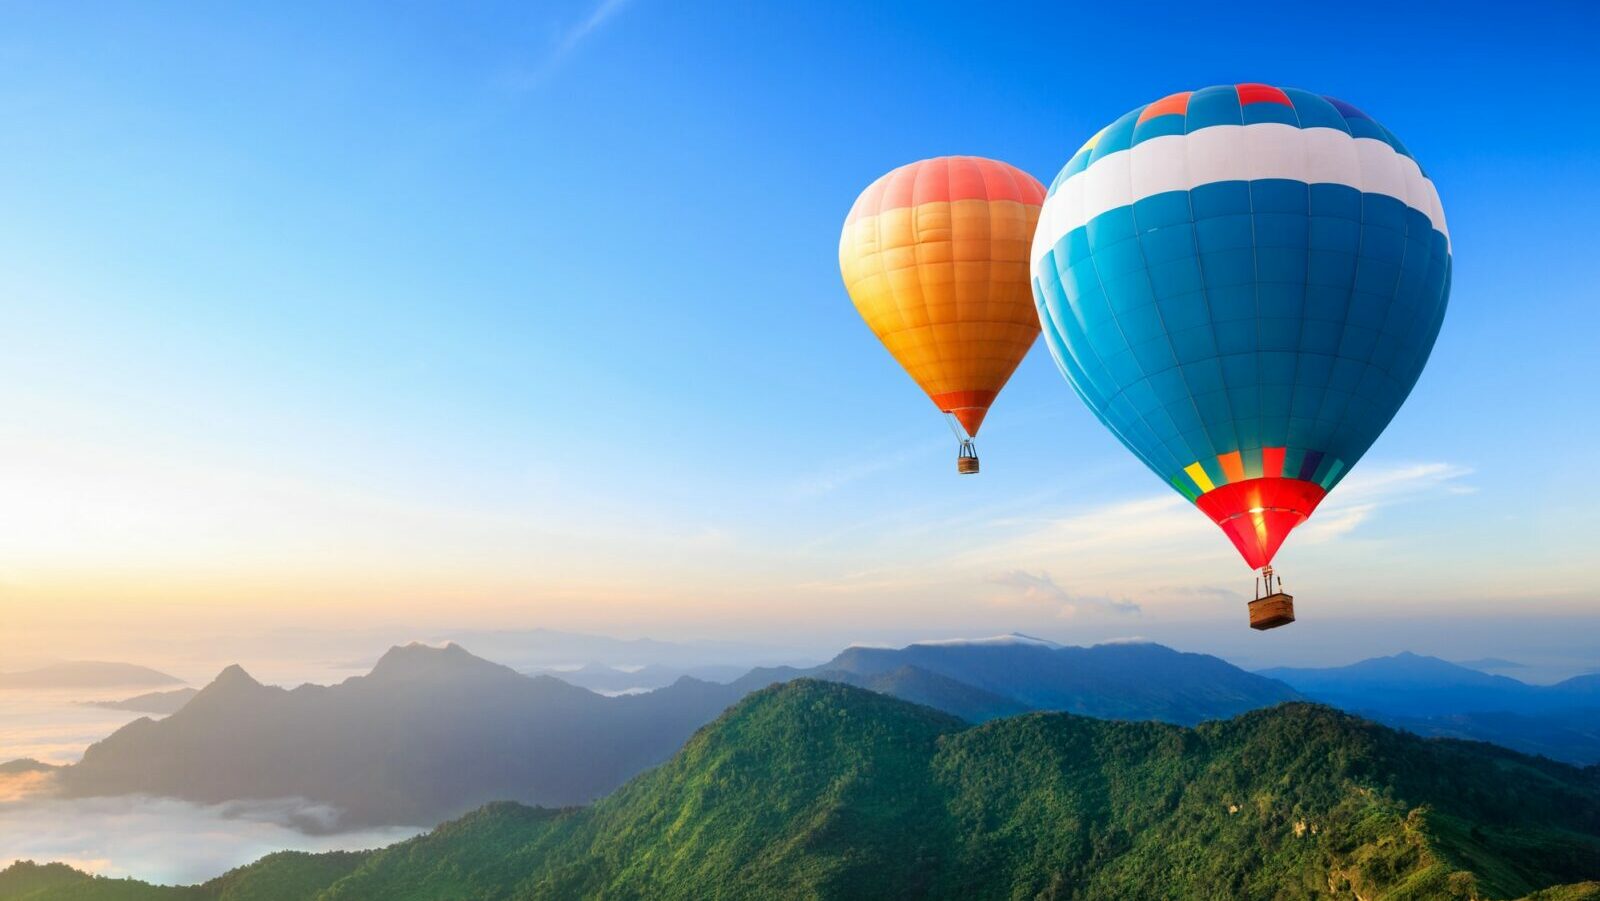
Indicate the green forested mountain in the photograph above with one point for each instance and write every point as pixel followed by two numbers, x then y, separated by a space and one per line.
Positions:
pixel 820 790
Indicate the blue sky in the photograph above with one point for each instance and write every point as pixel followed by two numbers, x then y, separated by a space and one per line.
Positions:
pixel 530 314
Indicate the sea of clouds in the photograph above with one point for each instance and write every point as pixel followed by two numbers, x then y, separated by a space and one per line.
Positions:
pixel 168 841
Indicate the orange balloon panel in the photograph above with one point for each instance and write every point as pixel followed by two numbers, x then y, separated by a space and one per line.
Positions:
pixel 935 256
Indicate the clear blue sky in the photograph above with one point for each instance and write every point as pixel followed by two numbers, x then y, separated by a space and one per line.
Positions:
pixel 531 314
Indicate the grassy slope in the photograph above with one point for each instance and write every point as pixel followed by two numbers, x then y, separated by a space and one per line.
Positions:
pixel 819 790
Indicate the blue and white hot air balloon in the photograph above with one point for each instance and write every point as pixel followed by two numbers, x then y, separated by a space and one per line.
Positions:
pixel 1243 283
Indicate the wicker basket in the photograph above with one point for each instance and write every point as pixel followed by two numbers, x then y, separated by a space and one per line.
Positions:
pixel 1272 611
pixel 966 465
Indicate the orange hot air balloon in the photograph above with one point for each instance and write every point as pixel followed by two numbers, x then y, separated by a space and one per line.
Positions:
pixel 935 256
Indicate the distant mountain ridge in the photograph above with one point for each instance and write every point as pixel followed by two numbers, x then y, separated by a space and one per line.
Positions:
pixel 1136 681
pixel 159 702
pixel 86 674
pixel 606 679
pixel 1436 697
pixel 1412 684
pixel 432 732
pixel 429 733
pixel 813 789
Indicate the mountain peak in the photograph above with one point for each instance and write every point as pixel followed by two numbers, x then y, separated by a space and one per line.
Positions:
pixel 419 662
pixel 231 686
pixel 232 678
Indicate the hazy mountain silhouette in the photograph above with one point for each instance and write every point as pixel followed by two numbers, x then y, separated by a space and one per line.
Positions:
pixel 26 765
pixel 432 732
pixel 609 679
pixel 86 674
pixel 1408 684
pixel 1490 664
pixel 819 790
pixel 982 679
pixel 1436 697
pixel 1579 689
pixel 428 733
pixel 1570 736
pixel 162 702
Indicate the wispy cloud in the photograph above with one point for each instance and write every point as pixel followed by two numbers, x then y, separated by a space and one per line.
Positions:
pixel 842 472
pixel 565 43
pixel 1158 549
pixel 1041 589
pixel 1362 494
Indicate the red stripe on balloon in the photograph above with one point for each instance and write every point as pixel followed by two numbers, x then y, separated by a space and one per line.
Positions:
pixel 946 180
pixel 1272 462
pixel 1261 93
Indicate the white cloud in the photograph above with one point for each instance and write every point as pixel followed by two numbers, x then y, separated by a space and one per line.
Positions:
pixel 1041 589
pixel 1158 549
pixel 1364 493
pixel 842 471
pixel 601 12
pixel 166 840
pixel 1110 544
pixel 565 43
pixel 1366 485
pixel 1336 523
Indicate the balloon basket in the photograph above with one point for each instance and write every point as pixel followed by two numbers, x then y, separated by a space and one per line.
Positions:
pixel 1272 611
pixel 967 459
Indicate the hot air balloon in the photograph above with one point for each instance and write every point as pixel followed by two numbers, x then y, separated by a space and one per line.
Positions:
pixel 1244 283
pixel 935 257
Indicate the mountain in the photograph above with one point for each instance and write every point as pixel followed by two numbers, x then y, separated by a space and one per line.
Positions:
pixel 1584 689
pixel 162 702
pixel 429 733
pixel 1490 664
pixel 433 732
pixel 611 680
pixel 1435 697
pixel 908 683
pixel 86 674
pixel 1410 684
pixel 277 877
pixel 26 765
pixel 982 679
pixel 812 789
pixel 1570 736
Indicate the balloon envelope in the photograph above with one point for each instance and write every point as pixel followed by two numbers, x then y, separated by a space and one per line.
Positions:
pixel 1243 283
pixel 935 257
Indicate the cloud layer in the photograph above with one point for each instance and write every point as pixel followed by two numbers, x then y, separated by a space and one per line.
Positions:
pixel 165 840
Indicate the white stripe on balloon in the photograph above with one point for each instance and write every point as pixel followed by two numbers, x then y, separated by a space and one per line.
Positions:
pixel 1233 153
